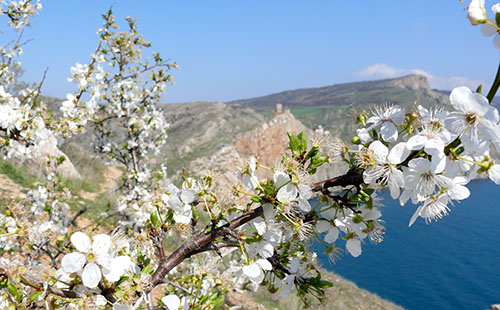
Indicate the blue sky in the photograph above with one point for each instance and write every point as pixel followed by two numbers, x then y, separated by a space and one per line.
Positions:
pixel 231 49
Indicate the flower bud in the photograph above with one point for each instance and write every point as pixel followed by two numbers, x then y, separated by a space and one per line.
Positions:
pixel 356 140
pixel 477 13
pixel 357 219
pixel 361 118
pixel 496 8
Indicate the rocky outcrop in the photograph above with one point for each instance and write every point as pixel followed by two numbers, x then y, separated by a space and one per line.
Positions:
pixel 66 169
pixel 414 82
pixel 266 143
pixel 270 140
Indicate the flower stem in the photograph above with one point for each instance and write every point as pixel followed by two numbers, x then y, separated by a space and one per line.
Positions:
pixel 9 234
pixel 494 87
pixel 321 240
pixel 493 25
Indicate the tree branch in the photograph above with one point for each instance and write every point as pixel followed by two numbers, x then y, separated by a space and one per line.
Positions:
pixel 352 177
pixel 198 242
pixel 202 242
pixel 50 289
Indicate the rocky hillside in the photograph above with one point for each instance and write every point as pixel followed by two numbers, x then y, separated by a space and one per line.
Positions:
pixel 200 129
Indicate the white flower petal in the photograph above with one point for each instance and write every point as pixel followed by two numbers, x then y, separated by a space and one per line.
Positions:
pixel 421 165
pixel 172 302
pixel 100 300
pixel 117 268
pixel 73 262
pixel 294 265
pixel 91 275
pixel 322 226
pixel 363 135
pixel 438 162
pixel 280 178
pixel 398 153
pixel 252 270
pixel 287 193
pixel 488 30
pixel 260 225
pixel 304 205
pixel 264 264
pixel 416 142
pixel 379 149
pixel 187 196
pixel 332 235
pixel 459 192
pixel 269 211
pixel 267 250
pixel 494 174
pixel 101 244
pixel 175 203
pixel 389 132
pixel 395 182
pixel 81 242
pixel 353 245
pixel 459 98
pixel 415 215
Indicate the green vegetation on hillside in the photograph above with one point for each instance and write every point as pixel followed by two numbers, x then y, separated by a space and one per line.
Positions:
pixel 334 107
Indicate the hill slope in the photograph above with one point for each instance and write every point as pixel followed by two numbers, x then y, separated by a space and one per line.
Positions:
pixel 334 107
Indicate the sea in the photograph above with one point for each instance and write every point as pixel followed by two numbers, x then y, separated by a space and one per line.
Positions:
pixel 450 264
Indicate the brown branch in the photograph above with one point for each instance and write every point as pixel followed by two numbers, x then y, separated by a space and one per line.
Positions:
pixel 78 214
pixel 198 242
pixel 203 242
pixel 107 293
pixel 352 177
pixel 38 285
pixel 213 247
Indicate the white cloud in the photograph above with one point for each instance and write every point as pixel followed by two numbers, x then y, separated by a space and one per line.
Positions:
pixel 380 71
pixel 383 71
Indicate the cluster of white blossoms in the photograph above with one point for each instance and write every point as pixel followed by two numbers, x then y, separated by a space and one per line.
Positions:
pixel 22 121
pixel 433 154
pixel 95 259
pixel 424 156
pixel 19 12
pixel 477 15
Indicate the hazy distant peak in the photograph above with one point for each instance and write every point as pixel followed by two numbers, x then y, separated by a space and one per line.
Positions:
pixel 414 81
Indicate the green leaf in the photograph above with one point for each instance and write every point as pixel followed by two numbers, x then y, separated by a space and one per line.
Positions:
pixel 479 88
pixel 303 141
pixel 312 152
pixel 324 284
pixel 122 279
pixel 34 296
pixel 218 302
pixel 61 159
pixel 317 161
pixel 497 18
pixel 12 289
pixel 368 190
pixel 269 189
pixel 294 144
pixel 154 219
pixel 4 282
pixel 255 199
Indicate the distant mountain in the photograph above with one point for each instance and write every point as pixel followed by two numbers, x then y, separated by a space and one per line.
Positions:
pixel 334 107
pixel 344 94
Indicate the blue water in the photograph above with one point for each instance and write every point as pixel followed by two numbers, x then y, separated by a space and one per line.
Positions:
pixel 450 264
